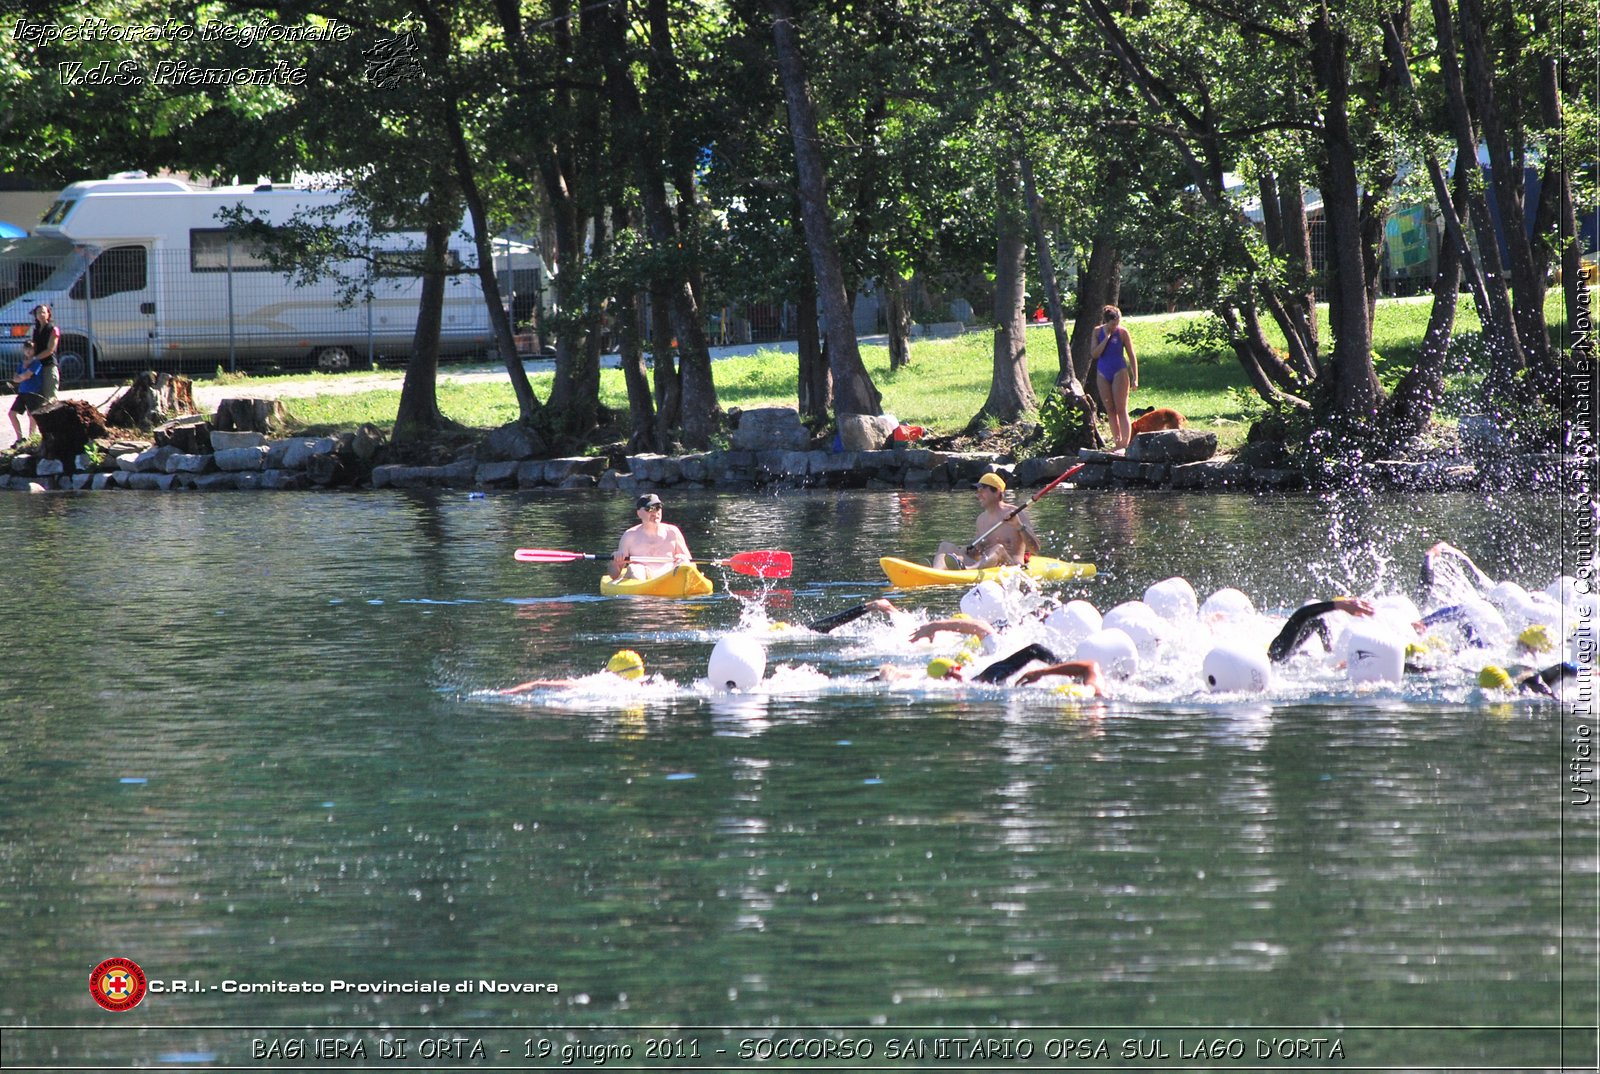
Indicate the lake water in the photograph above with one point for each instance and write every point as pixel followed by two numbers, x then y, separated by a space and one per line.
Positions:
pixel 251 743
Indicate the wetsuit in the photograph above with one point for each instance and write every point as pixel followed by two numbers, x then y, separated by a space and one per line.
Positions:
pixel 839 619
pixel 1005 667
pixel 1301 625
pixel 1111 360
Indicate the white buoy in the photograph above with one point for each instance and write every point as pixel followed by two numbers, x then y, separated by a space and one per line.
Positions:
pixel 1139 621
pixel 737 663
pixel 1228 603
pixel 987 601
pixel 1488 625
pixel 1069 624
pixel 1506 595
pixel 1397 608
pixel 1113 650
pixel 1173 599
pixel 1564 588
pixel 1373 652
pixel 1232 668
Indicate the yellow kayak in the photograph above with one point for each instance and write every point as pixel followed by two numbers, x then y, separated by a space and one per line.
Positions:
pixel 904 574
pixel 683 581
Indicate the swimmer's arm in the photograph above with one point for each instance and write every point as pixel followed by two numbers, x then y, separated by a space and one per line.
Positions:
pixel 976 628
pixel 850 615
pixel 1003 669
pixel 1084 671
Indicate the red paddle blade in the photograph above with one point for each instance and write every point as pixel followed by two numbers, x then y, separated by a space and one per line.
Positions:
pixel 548 555
pixel 766 564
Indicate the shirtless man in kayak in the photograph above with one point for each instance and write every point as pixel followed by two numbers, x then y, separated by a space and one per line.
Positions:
pixel 652 547
pixel 1012 541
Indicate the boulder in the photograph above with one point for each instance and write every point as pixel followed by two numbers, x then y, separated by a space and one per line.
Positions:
pixel 222 440
pixel 1173 445
pixel 241 459
pixel 775 428
pixel 512 442
pixel 866 432
pixel 190 434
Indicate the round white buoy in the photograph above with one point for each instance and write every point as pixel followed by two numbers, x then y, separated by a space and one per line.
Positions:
pixel 737 663
pixel 1232 668
pixel 1564 588
pixel 1373 653
pixel 1173 599
pixel 1113 650
pixel 986 600
pixel 1397 608
pixel 1136 619
pixel 1506 594
pixel 1069 624
pixel 1228 603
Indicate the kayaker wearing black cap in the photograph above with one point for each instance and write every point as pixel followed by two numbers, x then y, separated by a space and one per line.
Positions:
pixel 999 539
pixel 652 547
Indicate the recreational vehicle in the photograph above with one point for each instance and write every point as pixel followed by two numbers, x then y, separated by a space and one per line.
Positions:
pixel 143 273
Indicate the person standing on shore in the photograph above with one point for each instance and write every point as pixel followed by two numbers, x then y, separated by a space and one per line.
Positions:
pixel 1117 370
pixel 39 377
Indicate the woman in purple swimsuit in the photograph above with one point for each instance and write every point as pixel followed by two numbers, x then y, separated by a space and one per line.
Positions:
pixel 1118 373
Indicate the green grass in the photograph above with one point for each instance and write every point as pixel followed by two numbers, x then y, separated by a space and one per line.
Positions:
pixel 948 379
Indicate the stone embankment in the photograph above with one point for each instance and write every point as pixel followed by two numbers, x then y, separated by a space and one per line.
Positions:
pixel 770 448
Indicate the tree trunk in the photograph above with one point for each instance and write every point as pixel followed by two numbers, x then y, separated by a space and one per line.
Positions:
pixel 1500 335
pixel 897 311
pixel 853 390
pixel 1010 390
pixel 505 340
pixel 815 380
pixel 1420 389
pixel 1300 296
pixel 574 403
pixel 669 382
pixel 1356 393
pixel 627 310
pixel 1067 377
pixel 1505 169
pixel 418 415
pixel 1099 285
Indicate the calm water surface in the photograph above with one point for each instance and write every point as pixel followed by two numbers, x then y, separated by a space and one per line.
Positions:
pixel 252 738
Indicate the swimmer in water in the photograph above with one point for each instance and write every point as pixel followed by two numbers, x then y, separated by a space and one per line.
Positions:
pixel 625 665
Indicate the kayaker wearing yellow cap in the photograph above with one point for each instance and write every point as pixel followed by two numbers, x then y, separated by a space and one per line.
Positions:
pixel 999 539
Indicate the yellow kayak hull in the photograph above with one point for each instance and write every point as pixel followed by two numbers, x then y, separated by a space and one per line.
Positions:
pixel 682 581
pixel 904 574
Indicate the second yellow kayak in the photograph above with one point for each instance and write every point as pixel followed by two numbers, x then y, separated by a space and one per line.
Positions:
pixel 904 574
pixel 682 581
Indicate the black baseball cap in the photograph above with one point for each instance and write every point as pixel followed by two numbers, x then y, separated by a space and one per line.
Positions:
pixel 649 499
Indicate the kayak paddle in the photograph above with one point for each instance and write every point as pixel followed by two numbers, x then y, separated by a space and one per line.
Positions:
pixel 762 564
pixel 1023 507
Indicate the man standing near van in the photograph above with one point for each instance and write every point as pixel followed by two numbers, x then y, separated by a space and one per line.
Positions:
pixel 39 376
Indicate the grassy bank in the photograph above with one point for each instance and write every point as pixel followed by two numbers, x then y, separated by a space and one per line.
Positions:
pixel 948 380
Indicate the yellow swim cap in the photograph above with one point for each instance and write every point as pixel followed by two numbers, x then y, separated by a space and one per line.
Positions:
pixel 942 667
pixel 626 663
pixel 1494 678
pixel 1536 639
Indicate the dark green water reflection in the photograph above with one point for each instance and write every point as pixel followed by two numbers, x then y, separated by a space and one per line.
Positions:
pixel 249 740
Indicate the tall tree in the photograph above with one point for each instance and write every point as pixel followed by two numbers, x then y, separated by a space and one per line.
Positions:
pixel 853 390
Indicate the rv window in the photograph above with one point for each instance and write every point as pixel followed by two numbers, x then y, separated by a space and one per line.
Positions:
pixel 58 211
pixel 391 263
pixel 209 251
pixel 119 269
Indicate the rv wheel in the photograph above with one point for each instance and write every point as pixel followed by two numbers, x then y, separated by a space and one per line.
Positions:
pixel 72 360
pixel 334 360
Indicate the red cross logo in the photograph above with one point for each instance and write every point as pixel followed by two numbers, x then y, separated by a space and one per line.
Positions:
pixel 117 984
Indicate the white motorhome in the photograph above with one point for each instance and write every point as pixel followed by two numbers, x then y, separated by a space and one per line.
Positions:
pixel 143 273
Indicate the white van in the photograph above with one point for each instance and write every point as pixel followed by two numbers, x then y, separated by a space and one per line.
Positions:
pixel 142 273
